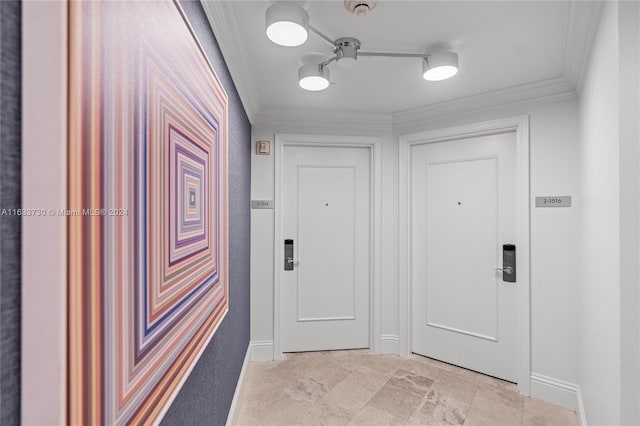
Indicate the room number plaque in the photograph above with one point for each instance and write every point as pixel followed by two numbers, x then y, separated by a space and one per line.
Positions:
pixel 261 204
pixel 554 201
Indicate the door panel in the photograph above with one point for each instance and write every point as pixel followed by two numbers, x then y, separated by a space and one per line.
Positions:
pixel 466 205
pixel 326 236
pixel 326 212
pixel 462 200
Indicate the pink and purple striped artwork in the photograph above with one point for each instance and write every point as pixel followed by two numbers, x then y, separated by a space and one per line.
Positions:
pixel 148 274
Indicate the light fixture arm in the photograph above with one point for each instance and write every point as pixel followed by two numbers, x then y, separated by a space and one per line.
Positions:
pixel 395 55
pixel 328 61
pixel 322 35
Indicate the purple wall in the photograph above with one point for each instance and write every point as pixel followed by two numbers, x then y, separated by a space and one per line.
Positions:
pixel 10 197
pixel 206 396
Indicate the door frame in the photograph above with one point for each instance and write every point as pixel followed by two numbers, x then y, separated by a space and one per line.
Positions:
pixel 519 125
pixel 374 146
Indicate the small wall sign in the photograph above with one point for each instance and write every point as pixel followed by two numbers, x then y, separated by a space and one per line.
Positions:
pixel 263 147
pixel 554 201
pixel 261 204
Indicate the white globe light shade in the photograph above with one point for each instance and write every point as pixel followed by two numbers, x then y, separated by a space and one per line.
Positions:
pixel 286 24
pixel 313 77
pixel 440 66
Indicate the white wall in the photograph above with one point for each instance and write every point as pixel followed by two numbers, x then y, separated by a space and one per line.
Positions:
pixel 609 116
pixel 600 345
pixel 555 246
pixel 629 109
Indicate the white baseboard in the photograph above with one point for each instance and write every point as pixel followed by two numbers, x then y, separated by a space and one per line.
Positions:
pixel 582 415
pixel 236 394
pixel 261 350
pixel 558 392
pixel 389 344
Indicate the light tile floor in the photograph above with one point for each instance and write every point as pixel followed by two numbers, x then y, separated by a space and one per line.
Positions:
pixel 358 388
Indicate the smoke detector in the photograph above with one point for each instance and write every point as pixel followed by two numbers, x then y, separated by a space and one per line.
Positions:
pixel 360 7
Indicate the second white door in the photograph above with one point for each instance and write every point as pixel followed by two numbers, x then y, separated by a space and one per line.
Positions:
pixel 463 210
pixel 326 213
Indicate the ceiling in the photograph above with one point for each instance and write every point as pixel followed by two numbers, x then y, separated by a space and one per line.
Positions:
pixel 501 45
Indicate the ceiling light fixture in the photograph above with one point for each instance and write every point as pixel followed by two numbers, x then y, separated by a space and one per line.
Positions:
pixel 287 24
pixel 313 77
pixel 440 66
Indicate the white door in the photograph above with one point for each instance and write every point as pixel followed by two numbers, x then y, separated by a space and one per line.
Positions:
pixel 326 212
pixel 463 209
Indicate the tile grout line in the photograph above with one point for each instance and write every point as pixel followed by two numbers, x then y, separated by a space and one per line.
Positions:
pixel 471 403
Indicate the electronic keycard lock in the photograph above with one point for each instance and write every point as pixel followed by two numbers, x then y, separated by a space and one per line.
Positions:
pixel 508 263
pixel 288 255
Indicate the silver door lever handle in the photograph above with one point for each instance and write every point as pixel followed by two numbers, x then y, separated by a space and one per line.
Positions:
pixel 295 262
pixel 508 269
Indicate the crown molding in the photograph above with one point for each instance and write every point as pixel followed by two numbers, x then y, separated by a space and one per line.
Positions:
pixel 222 17
pixel 539 91
pixel 555 89
pixel 333 119
pixel 583 25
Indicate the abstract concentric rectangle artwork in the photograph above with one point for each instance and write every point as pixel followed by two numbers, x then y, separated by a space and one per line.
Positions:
pixel 148 245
